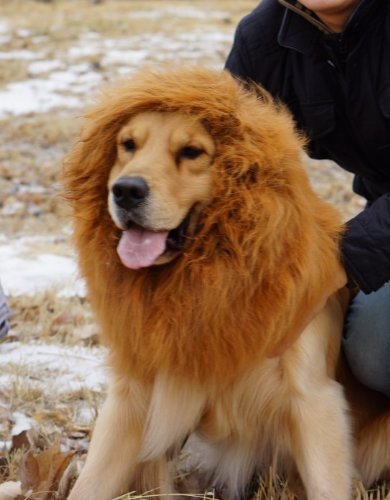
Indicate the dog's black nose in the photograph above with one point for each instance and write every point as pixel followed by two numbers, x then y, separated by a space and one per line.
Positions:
pixel 130 191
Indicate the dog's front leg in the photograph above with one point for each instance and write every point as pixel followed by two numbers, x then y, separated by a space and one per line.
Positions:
pixel 112 457
pixel 321 443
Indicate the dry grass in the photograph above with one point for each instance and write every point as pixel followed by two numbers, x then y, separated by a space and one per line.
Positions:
pixel 31 156
pixel 50 317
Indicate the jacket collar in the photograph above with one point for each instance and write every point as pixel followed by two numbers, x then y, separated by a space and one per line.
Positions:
pixel 301 10
pixel 300 27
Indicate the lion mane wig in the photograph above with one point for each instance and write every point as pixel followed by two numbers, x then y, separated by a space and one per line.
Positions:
pixel 264 255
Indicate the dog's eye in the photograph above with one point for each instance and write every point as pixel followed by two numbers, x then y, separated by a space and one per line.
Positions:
pixel 190 152
pixel 129 145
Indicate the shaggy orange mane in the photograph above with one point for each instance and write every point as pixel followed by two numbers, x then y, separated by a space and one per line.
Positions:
pixel 266 252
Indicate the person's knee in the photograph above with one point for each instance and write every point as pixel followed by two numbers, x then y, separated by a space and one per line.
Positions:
pixel 367 339
pixel 370 370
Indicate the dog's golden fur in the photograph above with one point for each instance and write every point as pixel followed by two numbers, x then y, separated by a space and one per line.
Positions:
pixel 203 342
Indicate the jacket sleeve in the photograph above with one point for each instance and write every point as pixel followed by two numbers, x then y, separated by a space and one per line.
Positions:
pixel 366 246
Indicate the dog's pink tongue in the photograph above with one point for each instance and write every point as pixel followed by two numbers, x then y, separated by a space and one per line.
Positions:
pixel 140 248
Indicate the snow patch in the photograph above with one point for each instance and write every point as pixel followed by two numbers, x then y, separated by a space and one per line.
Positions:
pixel 20 54
pixel 21 423
pixel 64 82
pixel 4 27
pixel 4 39
pixel 23 271
pixel 54 368
pixel 182 13
pixel 23 32
pixel 33 96
pixel 38 67
pixel 60 89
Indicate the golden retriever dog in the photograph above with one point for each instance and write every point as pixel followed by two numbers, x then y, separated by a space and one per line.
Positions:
pixel 206 253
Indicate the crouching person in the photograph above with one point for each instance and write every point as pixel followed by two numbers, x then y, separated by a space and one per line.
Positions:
pixel 4 314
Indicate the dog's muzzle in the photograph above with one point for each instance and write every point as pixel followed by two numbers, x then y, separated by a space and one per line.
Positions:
pixel 140 246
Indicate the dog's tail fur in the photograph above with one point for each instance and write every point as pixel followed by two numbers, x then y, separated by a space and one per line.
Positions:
pixel 373 449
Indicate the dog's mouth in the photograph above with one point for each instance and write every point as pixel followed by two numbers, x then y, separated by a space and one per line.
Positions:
pixel 141 247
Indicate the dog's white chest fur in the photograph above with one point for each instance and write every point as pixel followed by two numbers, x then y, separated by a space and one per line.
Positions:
pixel 252 424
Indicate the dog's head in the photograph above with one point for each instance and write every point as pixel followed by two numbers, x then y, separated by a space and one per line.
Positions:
pixel 165 146
pixel 160 181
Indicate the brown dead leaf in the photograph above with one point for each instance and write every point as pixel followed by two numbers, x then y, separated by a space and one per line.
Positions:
pixel 41 474
pixel 20 441
pixel 66 318
pixel 29 472
pixel 4 467
pixel 87 332
pixel 68 479
pixel 27 440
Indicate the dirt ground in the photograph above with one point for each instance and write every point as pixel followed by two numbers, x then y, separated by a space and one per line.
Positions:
pixel 54 56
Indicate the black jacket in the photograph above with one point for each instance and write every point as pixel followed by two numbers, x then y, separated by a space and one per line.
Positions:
pixel 338 89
